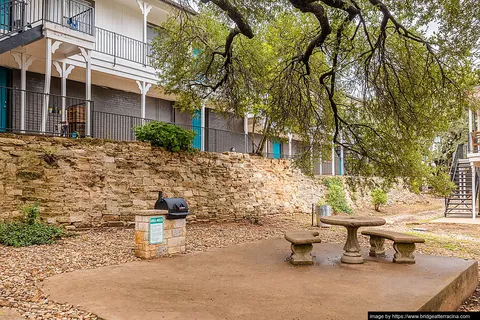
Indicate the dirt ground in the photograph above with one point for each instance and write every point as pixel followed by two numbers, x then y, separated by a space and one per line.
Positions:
pixel 22 270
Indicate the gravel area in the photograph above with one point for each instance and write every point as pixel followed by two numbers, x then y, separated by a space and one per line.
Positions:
pixel 22 269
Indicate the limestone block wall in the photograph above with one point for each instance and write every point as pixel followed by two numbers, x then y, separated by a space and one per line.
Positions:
pixel 96 183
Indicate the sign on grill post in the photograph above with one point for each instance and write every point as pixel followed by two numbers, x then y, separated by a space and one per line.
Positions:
pixel 156 230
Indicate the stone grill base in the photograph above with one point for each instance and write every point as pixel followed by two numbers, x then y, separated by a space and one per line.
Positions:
pixel 174 235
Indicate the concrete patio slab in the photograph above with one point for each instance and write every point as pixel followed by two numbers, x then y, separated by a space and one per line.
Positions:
pixel 9 314
pixel 253 281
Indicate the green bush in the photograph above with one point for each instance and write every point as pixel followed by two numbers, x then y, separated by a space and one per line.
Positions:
pixel 336 197
pixel 29 231
pixel 21 234
pixel 441 184
pixel 32 213
pixel 379 197
pixel 166 135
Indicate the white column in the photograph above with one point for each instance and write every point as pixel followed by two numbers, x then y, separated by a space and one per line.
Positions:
pixel 23 63
pixel 144 88
pixel 342 160
pixel 310 142
pixel 470 130
pixel 87 55
pixel 474 196
pixel 477 128
pixel 333 159
pixel 245 131
pixel 145 8
pixel 46 87
pixel 51 47
pixel 202 129
pixel 64 71
pixel 290 140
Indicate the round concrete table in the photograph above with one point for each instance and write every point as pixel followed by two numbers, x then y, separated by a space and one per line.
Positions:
pixel 352 249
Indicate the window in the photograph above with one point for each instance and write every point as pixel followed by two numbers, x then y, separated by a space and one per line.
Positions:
pixel 153 31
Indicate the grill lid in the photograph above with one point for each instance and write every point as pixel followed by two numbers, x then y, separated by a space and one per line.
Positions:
pixel 177 207
pixel 172 205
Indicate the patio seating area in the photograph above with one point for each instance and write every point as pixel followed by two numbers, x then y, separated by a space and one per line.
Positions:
pixel 231 277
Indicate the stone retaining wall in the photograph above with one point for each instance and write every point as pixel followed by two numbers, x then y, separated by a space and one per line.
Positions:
pixel 100 183
pixel 93 183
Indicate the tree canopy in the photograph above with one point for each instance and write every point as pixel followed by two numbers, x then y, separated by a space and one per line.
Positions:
pixel 382 79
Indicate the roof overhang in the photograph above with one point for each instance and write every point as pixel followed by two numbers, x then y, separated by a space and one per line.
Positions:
pixel 178 6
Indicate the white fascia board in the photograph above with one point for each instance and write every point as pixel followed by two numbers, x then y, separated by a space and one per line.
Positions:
pixel 63 34
pixel 124 69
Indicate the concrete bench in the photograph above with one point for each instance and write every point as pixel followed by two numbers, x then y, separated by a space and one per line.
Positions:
pixel 404 244
pixel 302 245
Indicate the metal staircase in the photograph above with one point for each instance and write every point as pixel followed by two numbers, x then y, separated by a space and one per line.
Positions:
pixel 460 201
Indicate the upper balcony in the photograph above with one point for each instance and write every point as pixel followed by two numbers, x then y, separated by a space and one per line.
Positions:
pixel 20 15
pixel 122 47
pixel 25 21
pixel 76 15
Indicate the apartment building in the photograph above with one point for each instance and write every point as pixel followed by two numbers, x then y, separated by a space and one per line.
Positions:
pixel 80 68
pixel 83 68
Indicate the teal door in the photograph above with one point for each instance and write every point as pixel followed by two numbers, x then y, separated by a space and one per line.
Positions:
pixel 277 149
pixel 5 14
pixel 3 99
pixel 197 128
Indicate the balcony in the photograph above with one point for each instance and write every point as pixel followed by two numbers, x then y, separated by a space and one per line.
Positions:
pixel 120 46
pixel 73 14
pixel 25 21
pixel 30 112
pixel 33 112
pixel 21 15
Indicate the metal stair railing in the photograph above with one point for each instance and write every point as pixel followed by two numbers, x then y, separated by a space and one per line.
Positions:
pixel 477 182
pixel 452 172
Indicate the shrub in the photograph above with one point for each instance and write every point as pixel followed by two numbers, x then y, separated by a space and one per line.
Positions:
pixel 166 135
pixel 441 184
pixel 21 234
pixel 336 197
pixel 379 197
pixel 32 213
pixel 329 182
pixel 29 231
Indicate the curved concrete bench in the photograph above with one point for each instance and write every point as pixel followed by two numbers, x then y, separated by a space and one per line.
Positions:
pixel 302 245
pixel 404 244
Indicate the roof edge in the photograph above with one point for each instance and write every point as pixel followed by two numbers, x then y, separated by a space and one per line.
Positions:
pixel 179 6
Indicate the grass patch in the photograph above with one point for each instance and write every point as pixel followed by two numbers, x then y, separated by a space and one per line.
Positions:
pixel 433 241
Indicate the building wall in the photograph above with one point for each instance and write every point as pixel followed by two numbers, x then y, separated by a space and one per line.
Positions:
pixel 225 133
pixel 115 17
pixel 116 107
pixel 224 122
pixel 182 118
pixel 158 109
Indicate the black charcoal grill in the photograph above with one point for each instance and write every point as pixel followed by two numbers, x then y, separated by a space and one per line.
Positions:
pixel 177 207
